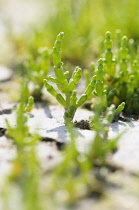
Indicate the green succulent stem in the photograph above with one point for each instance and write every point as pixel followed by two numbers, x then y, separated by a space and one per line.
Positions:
pixel 30 104
pixel 67 98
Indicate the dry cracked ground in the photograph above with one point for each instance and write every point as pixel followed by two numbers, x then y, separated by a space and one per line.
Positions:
pixel 122 186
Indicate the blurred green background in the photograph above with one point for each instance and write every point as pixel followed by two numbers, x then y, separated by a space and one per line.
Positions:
pixel 83 21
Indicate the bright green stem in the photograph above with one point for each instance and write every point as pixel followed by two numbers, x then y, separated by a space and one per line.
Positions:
pixel 120 108
pixel 71 109
pixel 30 104
pixel 108 56
pixel 108 41
pixel 76 76
pixel 124 48
pixel 49 88
pixel 68 95
pixel 61 100
pixel 81 101
pixel 57 49
pixel 69 114
pixel 73 98
pixel 90 86
pixel 99 88
pixel 100 72
pixel 61 76
pixel 54 93
pixel 59 73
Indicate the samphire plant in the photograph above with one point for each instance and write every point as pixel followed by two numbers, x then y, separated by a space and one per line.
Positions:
pixel 121 66
pixel 76 169
pixel 117 74
pixel 65 86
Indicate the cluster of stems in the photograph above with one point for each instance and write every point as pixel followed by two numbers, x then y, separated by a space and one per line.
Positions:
pixel 122 78
pixel 67 86
pixel 100 89
pixel 117 75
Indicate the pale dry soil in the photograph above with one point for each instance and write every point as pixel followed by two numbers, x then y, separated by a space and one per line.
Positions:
pixel 121 184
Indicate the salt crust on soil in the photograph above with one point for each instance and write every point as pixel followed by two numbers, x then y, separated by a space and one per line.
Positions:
pixel 48 122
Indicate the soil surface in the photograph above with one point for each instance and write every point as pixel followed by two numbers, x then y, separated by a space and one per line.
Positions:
pixel 47 121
